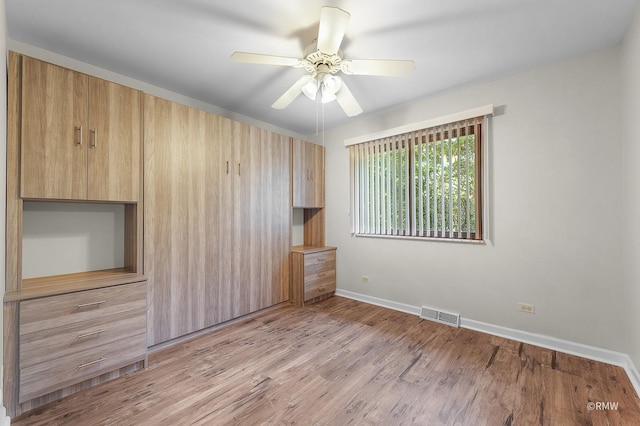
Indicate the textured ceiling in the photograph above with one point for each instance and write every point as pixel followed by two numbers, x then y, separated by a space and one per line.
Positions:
pixel 184 46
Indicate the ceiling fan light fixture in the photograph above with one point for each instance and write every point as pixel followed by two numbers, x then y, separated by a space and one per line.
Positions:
pixel 310 89
pixel 329 86
pixel 322 59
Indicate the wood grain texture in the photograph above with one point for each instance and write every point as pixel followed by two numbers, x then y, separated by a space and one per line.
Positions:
pixel 313 273
pixel 80 136
pixel 11 342
pixel 13 261
pixel 53 153
pixel 114 141
pixel 314 227
pixel 34 288
pixel 77 387
pixel 342 362
pixel 60 311
pixel 174 218
pixel 217 218
pixel 39 379
pixel 134 236
pixel 73 337
pixel 308 174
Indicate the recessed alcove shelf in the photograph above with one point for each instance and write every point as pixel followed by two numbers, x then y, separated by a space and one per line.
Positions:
pixel 74 246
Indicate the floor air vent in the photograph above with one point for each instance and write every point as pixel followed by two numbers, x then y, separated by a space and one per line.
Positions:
pixel 440 316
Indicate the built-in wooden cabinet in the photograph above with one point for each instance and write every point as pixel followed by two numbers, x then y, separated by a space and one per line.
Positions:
pixel 71 137
pixel 80 135
pixel 217 218
pixel 68 338
pixel 313 273
pixel 308 174
pixel 313 265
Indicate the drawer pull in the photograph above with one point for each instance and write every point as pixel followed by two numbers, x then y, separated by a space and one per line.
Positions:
pixel 88 305
pixel 87 364
pixel 92 333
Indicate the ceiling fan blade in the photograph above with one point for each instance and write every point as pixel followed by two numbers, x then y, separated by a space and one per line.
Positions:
pixel 291 93
pixel 333 24
pixel 257 58
pixel 347 101
pixel 377 67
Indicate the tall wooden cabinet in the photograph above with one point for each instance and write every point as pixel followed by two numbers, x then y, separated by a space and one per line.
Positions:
pixel 313 265
pixel 81 135
pixel 308 174
pixel 71 137
pixel 217 218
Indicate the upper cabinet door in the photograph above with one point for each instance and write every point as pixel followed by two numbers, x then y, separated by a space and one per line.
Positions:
pixel 114 141
pixel 53 132
pixel 308 174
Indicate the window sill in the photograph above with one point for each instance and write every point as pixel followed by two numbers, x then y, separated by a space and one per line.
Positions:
pixel 432 239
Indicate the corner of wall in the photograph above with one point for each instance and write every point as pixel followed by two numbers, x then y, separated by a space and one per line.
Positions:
pixel 630 109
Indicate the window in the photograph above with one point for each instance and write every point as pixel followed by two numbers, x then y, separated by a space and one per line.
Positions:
pixel 424 183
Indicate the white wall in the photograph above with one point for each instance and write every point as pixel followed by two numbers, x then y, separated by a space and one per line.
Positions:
pixel 62 238
pixel 631 153
pixel 554 209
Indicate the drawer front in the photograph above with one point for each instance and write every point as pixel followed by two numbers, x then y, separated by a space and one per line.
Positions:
pixel 44 378
pixel 315 263
pixel 319 286
pixel 48 345
pixel 59 311
pixel 320 257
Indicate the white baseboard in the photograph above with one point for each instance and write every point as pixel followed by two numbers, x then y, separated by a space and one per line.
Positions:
pixel 385 303
pixel 585 351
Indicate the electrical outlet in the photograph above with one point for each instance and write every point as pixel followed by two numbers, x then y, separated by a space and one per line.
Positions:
pixel 364 280
pixel 525 307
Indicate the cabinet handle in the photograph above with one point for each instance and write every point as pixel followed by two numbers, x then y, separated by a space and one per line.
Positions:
pixel 227 167
pixel 79 137
pixel 87 305
pixel 91 333
pixel 94 137
pixel 87 364
pixel 238 169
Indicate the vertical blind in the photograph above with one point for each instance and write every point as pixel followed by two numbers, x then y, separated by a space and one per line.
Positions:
pixel 424 183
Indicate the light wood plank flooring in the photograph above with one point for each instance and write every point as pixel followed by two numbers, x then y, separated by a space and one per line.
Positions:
pixel 343 362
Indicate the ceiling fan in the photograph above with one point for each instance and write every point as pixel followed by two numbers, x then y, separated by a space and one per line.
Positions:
pixel 322 60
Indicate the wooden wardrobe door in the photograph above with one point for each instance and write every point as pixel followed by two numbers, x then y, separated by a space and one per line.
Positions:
pixel 220 180
pixel 54 132
pixel 272 217
pixel 175 239
pixel 114 141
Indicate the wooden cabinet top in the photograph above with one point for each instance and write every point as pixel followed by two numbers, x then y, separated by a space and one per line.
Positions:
pixel 310 249
pixel 33 288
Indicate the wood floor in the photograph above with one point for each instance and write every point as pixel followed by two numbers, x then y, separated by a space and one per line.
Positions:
pixel 343 362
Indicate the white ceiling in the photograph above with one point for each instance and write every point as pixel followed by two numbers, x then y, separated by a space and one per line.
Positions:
pixel 184 46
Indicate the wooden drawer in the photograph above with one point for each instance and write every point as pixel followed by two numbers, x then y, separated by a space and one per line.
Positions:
pixel 66 309
pixel 320 285
pixel 320 259
pixel 313 273
pixel 47 377
pixel 68 338
pixel 47 345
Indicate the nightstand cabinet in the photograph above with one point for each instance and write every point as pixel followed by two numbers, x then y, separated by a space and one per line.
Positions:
pixel 313 274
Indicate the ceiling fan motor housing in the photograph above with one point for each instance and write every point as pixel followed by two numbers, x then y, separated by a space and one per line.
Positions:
pixel 319 62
